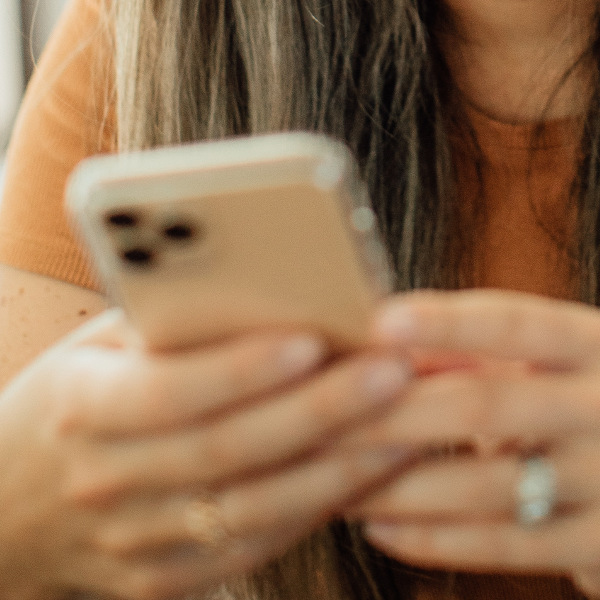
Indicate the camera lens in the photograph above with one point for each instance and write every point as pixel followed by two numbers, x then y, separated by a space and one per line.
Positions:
pixel 122 219
pixel 179 232
pixel 139 256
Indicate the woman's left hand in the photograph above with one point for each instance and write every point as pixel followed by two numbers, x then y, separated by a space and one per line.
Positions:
pixel 460 512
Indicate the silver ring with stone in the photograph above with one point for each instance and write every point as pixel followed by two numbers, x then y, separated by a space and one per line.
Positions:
pixel 536 491
pixel 205 522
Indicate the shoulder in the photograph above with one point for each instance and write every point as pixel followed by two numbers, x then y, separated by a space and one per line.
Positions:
pixel 66 116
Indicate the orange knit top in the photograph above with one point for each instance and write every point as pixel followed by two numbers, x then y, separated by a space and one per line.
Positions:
pixel 524 190
pixel 66 116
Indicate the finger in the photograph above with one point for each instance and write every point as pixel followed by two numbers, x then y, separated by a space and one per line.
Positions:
pixel 157 529
pixel 113 392
pixel 450 491
pixel 151 544
pixel 175 574
pixel 456 407
pixel 508 325
pixel 588 581
pixel 109 329
pixel 310 493
pixel 264 435
pixel 469 490
pixel 560 546
pixel 148 526
pixel 154 548
pixel 192 569
pixel 430 362
pixel 94 574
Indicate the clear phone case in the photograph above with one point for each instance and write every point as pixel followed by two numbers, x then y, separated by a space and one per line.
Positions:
pixel 206 241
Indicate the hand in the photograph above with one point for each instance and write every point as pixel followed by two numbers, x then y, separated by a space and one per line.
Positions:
pixel 143 476
pixel 458 513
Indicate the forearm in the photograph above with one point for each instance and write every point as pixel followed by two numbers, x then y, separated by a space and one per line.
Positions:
pixel 35 312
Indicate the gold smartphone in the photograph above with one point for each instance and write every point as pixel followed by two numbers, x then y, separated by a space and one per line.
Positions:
pixel 205 241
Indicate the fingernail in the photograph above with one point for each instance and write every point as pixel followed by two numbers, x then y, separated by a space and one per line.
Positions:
pixel 385 381
pixel 397 323
pixel 300 354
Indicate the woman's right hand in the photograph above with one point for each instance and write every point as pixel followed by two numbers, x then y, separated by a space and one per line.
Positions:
pixel 133 475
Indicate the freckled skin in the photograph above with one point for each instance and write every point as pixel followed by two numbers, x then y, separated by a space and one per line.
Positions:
pixel 35 312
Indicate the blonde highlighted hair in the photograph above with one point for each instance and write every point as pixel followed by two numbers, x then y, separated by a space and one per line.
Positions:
pixel 368 73
pixel 359 71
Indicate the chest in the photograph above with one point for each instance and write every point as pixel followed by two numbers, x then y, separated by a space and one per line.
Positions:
pixel 525 230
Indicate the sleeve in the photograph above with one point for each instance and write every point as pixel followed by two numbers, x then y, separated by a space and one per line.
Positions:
pixel 67 115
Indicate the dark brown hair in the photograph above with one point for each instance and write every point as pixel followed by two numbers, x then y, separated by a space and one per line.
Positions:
pixel 368 73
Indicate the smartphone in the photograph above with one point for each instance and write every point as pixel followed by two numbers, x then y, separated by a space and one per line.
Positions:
pixel 206 241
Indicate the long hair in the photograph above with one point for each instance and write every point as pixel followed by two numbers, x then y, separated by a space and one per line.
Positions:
pixel 370 74
pixel 366 73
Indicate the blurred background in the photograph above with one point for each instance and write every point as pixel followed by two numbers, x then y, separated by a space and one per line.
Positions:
pixel 24 29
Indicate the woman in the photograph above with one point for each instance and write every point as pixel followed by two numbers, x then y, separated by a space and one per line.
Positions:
pixel 477 126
